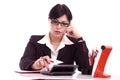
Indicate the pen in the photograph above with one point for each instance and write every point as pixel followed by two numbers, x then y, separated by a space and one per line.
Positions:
pixel 51 61
pixel 47 60
pixel 93 56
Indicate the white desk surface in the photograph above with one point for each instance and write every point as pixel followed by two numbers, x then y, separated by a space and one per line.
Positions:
pixel 12 75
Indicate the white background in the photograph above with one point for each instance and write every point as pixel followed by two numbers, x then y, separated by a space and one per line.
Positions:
pixel 98 21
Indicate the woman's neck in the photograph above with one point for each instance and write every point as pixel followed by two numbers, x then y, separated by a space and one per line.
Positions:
pixel 54 39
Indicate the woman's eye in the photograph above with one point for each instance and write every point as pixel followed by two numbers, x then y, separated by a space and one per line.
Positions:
pixel 65 24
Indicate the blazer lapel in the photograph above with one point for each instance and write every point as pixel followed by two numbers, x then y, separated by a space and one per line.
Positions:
pixel 46 50
pixel 60 54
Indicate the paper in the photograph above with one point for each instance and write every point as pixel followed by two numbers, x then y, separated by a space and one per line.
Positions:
pixel 55 62
pixel 26 72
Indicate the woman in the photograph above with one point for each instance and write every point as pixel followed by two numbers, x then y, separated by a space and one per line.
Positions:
pixel 62 42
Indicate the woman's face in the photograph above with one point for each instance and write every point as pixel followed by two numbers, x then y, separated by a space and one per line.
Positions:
pixel 58 26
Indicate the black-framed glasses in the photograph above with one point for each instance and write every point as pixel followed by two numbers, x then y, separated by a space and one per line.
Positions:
pixel 56 22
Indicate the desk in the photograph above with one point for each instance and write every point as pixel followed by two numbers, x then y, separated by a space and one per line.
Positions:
pixel 12 75
pixel 37 76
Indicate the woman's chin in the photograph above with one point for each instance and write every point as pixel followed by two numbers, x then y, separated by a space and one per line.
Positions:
pixel 58 35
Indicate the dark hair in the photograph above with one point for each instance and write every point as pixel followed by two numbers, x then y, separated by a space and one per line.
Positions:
pixel 59 10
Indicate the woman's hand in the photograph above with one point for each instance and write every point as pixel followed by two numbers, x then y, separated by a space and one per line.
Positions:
pixel 42 62
pixel 72 32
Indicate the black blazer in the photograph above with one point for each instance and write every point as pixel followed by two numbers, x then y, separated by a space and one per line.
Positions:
pixel 77 52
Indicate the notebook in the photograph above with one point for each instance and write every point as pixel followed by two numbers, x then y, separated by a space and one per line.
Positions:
pixel 100 62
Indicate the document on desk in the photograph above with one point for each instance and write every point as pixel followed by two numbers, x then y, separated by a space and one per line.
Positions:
pixel 26 72
pixel 54 62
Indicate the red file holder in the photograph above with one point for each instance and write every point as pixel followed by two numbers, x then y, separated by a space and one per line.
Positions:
pixel 99 71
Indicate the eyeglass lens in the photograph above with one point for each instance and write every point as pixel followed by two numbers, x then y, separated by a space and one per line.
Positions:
pixel 56 22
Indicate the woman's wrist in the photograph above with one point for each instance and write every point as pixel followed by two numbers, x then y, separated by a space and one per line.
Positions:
pixel 80 39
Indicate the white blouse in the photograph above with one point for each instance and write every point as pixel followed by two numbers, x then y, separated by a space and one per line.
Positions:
pixel 54 53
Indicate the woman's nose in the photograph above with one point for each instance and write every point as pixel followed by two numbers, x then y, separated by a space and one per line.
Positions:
pixel 59 26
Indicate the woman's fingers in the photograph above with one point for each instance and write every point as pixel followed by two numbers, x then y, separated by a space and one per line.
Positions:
pixel 42 62
pixel 47 59
pixel 72 32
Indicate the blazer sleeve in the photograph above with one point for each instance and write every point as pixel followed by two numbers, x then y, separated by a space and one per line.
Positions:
pixel 81 55
pixel 82 58
pixel 29 55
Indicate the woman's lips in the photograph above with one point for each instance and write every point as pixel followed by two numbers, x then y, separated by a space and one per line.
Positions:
pixel 57 32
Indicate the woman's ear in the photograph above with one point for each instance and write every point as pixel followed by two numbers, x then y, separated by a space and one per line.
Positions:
pixel 49 20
